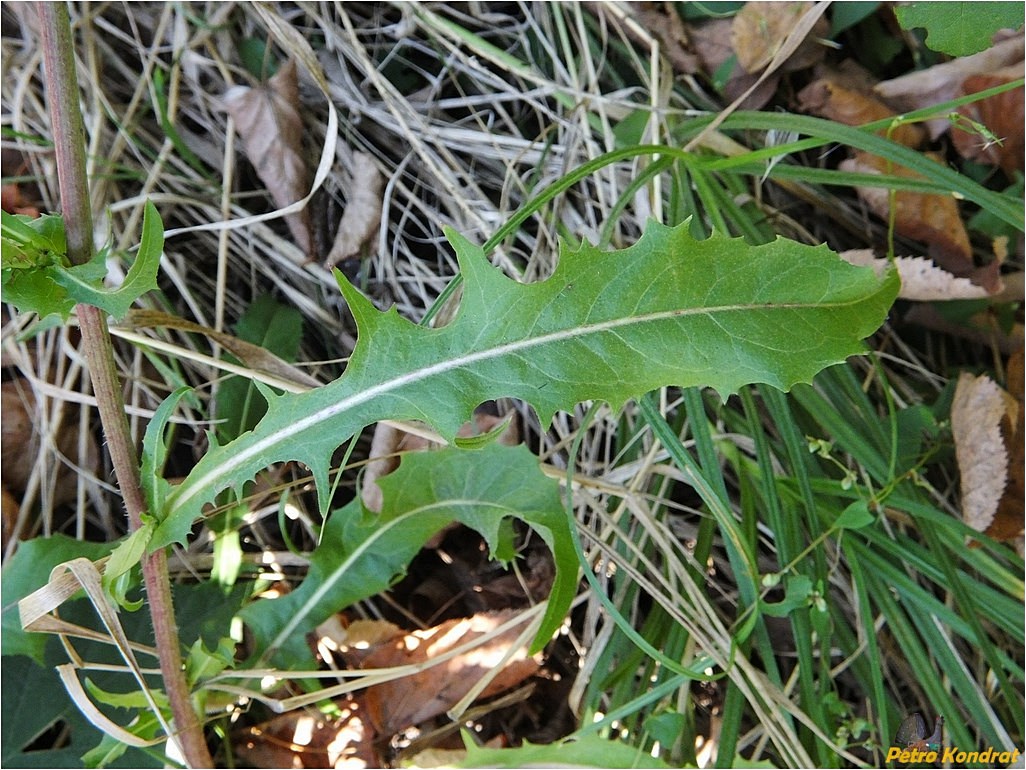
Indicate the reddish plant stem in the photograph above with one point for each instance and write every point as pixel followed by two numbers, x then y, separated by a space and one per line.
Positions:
pixel 69 143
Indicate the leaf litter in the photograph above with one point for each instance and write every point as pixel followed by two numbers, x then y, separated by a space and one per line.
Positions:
pixel 267 118
pixel 362 213
pixel 986 422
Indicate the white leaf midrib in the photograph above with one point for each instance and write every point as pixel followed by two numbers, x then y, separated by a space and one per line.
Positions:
pixel 228 466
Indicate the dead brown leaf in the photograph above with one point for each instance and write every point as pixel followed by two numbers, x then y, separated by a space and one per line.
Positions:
pixel 921 280
pixel 394 706
pixel 845 95
pixel 932 219
pixel 1001 114
pixel 759 29
pixel 363 209
pixel 712 43
pixel 10 512
pixel 253 356
pixel 661 21
pixel 977 412
pixel 13 201
pixel 356 638
pixel 943 82
pixel 1008 520
pixel 268 121
pixel 21 440
pixel 983 328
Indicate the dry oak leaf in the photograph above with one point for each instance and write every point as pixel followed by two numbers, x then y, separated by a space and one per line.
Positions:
pixel 396 705
pixel 930 218
pixel 921 280
pixel 1001 114
pixel 363 209
pixel 944 82
pixel 759 29
pixel 268 121
pixel 977 411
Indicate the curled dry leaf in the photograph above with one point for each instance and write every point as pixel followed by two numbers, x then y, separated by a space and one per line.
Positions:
pixel 363 209
pixel 269 123
pixel 920 279
pixel 759 29
pixel 977 412
pixel 932 219
pixel 393 706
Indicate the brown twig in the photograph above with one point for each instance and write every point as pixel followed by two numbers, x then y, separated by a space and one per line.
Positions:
pixel 69 142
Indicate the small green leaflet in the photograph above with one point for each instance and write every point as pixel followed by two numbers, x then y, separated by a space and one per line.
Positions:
pixel 37 277
pixel 585 751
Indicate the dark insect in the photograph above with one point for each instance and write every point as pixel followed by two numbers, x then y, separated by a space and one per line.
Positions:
pixel 912 733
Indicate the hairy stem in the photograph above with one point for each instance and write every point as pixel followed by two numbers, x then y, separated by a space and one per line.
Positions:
pixel 69 142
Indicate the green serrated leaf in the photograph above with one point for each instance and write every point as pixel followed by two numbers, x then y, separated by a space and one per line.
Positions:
pixel 960 28
pixel 203 664
pixel 586 751
pixel 275 327
pixel 40 234
pixel 122 559
pixel 362 553
pixel 606 325
pixel 715 312
pixel 36 291
pixel 82 285
pixel 136 699
pixel 154 454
